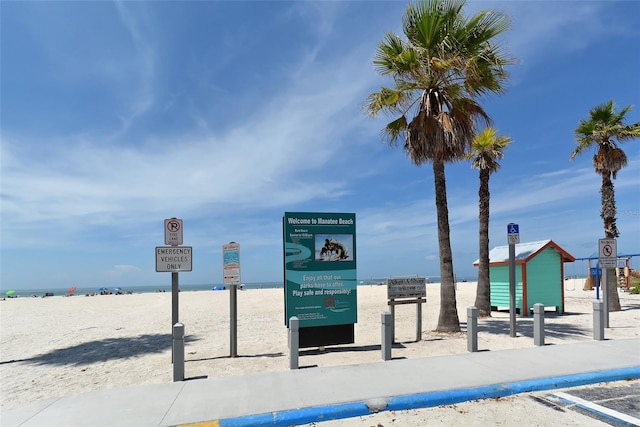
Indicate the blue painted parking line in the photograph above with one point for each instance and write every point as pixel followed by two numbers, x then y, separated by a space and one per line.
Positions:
pixel 426 400
pixel 618 418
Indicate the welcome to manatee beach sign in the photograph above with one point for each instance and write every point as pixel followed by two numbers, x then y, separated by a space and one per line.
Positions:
pixel 320 276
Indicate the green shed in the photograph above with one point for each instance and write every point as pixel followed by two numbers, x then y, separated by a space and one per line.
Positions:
pixel 539 275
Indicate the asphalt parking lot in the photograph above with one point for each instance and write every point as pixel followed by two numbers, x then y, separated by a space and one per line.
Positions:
pixel 616 403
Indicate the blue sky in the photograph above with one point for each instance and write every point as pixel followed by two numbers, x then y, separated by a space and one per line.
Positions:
pixel 117 115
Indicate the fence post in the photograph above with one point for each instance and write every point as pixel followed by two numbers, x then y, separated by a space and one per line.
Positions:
pixel 387 335
pixel 294 342
pixel 472 329
pixel 538 324
pixel 178 352
pixel 598 320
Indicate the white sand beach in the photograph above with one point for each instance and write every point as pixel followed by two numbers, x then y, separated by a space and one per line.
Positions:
pixel 59 346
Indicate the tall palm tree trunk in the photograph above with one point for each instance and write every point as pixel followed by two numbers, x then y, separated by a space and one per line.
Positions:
pixel 448 319
pixel 608 215
pixel 483 291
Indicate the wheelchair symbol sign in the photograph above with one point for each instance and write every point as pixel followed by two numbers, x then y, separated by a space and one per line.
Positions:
pixel 513 234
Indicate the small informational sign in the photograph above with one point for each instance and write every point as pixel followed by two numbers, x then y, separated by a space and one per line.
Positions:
pixel 173 231
pixel 409 287
pixel 513 234
pixel 173 259
pixel 607 253
pixel 231 263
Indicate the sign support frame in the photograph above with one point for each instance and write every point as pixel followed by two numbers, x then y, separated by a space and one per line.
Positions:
pixel 607 257
pixel 407 290
pixel 175 287
pixel 513 238
pixel 231 276
pixel 173 236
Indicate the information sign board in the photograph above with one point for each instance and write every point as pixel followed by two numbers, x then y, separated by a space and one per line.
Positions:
pixel 409 287
pixel 320 268
pixel 231 263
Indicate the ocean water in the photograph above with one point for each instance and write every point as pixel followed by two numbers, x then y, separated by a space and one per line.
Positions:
pixel 134 289
pixel 39 292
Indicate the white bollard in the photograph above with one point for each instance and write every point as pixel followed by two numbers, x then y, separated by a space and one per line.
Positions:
pixel 178 352
pixel 598 320
pixel 538 324
pixel 294 342
pixel 472 329
pixel 387 335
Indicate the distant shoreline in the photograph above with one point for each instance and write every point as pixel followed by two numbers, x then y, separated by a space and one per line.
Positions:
pixel 146 289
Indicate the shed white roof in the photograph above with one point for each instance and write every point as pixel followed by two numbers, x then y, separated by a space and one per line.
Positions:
pixel 523 251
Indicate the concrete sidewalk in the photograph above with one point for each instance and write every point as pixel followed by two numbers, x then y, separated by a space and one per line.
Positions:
pixel 317 394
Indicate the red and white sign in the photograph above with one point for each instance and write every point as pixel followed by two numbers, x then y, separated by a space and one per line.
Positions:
pixel 607 253
pixel 173 231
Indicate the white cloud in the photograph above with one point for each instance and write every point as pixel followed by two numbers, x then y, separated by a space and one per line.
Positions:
pixel 142 96
pixel 274 157
pixel 570 25
pixel 304 145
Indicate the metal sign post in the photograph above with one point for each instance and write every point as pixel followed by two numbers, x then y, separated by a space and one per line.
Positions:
pixel 596 272
pixel 173 258
pixel 231 277
pixel 605 298
pixel 513 237
pixel 175 288
pixel 172 236
pixel 607 257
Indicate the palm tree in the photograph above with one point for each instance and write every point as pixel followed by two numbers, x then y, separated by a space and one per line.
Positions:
pixel 445 62
pixel 486 149
pixel 604 129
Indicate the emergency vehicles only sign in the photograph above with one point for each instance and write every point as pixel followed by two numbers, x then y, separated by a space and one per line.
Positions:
pixel 173 258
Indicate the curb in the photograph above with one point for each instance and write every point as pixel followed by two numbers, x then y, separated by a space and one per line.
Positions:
pixel 420 400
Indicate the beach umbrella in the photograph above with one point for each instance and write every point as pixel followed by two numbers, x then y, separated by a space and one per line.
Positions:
pixel 11 292
pixel 71 290
pixel 102 289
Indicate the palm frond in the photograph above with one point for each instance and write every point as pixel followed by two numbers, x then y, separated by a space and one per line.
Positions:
pixel 388 100
pixel 395 129
pixel 391 57
pixel 487 148
pixel 442 62
pixel 604 129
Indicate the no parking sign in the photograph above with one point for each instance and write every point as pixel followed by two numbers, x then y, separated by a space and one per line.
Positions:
pixel 173 231
pixel 607 253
